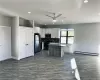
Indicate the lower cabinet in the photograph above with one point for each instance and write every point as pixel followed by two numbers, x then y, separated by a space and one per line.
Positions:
pixel 26 47
pixel 5 42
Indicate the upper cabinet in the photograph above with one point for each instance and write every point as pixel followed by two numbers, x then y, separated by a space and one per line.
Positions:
pixel 53 31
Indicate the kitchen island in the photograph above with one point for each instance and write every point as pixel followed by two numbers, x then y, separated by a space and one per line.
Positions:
pixel 56 49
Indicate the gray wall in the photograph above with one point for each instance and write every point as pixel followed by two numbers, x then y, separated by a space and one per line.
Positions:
pixel 5 20
pixel 87 37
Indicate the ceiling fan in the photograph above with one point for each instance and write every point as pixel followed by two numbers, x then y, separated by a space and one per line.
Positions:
pixel 54 16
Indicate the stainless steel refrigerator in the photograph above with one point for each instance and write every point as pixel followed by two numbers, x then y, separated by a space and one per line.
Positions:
pixel 37 43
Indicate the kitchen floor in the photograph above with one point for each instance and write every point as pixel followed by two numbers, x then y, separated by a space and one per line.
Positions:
pixel 43 67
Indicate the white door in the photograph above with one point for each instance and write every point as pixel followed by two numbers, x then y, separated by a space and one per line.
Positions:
pixel 22 42
pixel 29 42
pixel 7 42
pixel 1 43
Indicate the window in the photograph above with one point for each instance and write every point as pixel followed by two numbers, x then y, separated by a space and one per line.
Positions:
pixel 63 40
pixel 63 33
pixel 67 36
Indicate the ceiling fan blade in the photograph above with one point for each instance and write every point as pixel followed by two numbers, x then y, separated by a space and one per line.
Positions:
pixel 50 12
pixel 58 15
pixel 49 16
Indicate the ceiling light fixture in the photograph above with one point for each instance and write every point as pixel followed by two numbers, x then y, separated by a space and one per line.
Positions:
pixel 85 1
pixel 29 12
pixel 54 20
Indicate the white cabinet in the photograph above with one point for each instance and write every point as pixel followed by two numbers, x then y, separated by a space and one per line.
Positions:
pixel 25 42
pixel 42 32
pixel 5 42
pixel 55 32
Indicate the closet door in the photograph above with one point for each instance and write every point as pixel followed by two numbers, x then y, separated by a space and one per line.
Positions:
pixel 22 42
pixel 7 42
pixel 1 43
pixel 29 42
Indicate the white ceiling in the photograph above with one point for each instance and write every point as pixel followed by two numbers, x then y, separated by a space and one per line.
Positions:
pixel 73 11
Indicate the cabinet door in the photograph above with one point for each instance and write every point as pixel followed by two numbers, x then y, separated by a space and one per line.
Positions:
pixel 29 42
pixel 22 42
pixel 1 43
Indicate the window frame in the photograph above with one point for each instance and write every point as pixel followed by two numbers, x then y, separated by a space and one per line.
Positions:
pixel 65 36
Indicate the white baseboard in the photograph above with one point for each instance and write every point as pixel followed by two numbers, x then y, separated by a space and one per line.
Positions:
pixel 25 57
pixel 15 58
pixel 5 58
pixel 12 57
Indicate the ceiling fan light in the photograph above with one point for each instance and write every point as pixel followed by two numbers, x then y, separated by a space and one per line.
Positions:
pixel 85 1
pixel 54 20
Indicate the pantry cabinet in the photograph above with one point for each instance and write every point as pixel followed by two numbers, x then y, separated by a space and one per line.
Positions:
pixel 25 42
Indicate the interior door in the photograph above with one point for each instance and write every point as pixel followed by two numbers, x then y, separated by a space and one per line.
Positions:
pixel 1 43
pixel 22 42
pixel 29 42
pixel 7 42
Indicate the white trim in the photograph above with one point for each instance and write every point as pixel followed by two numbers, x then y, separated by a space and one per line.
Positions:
pixel 25 57
pixel 15 58
pixel 6 58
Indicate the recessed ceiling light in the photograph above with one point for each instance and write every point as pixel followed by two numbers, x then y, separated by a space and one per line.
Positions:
pixel 45 24
pixel 29 12
pixel 85 1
